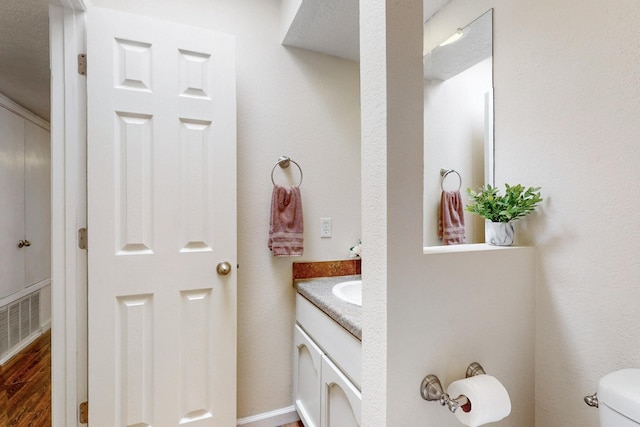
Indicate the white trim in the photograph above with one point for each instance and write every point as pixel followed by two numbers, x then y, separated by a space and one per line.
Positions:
pixel 18 109
pixel 77 5
pixel 472 247
pixel 274 418
pixel 68 212
pixel 24 292
pixel 24 344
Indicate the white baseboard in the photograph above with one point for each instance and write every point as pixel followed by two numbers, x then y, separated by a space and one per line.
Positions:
pixel 24 344
pixel 274 418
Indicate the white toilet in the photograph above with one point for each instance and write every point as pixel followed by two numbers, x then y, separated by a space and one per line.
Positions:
pixel 619 399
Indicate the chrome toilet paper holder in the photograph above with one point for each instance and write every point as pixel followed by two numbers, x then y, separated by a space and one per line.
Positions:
pixel 431 390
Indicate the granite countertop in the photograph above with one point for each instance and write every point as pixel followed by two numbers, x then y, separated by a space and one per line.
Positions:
pixel 318 291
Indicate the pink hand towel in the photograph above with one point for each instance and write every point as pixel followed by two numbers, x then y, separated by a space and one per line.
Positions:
pixel 286 228
pixel 451 218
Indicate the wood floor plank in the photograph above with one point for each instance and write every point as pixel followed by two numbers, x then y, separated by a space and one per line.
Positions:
pixel 25 386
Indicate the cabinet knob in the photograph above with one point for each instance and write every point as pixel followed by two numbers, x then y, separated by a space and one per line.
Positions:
pixel 23 243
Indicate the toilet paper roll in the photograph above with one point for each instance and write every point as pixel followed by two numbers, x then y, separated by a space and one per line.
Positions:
pixel 489 400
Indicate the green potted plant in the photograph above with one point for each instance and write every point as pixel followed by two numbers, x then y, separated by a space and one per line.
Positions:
pixel 500 211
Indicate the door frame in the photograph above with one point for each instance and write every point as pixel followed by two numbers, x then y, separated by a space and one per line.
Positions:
pixel 68 212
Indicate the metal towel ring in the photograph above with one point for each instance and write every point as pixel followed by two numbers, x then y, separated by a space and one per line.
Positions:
pixel 445 172
pixel 284 163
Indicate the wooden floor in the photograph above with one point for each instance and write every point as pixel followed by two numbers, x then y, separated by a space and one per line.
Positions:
pixel 25 394
pixel 25 380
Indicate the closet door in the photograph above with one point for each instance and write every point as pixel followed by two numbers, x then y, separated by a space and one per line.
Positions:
pixel 37 190
pixel 12 206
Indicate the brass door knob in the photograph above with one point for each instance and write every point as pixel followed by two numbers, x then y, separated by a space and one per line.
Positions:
pixel 23 243
pixel 223 268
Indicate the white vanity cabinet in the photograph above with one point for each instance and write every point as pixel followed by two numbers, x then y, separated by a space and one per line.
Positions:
pixel 327 362
pixel 307 365
pixel 341 400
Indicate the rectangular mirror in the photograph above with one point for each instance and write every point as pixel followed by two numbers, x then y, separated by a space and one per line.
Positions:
pixel 458 117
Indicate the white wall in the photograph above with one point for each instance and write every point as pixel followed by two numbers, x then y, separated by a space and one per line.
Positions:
pixel 441 311
pixel 290 102
pixel 567 80
pixel 566 106
pixel 392 106
pixel 467 307
pixel 374 99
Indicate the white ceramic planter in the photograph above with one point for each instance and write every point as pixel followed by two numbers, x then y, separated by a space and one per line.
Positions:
pixel 499 233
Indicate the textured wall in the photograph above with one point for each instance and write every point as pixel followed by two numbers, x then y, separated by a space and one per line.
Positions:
pixel 567 83
pixel 391 68
pixel 567 88
pixel 460 308
pixel 566 119
pixel 441 311
pixel 290 102
pixel 24 64
pixel 373 85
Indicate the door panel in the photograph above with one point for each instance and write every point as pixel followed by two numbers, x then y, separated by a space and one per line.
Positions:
pixel 37 161
pixel 161 215
pixel 307 386
pixel 341 401
pixel 12 210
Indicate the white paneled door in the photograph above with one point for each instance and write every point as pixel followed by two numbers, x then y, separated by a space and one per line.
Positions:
pixel 161 219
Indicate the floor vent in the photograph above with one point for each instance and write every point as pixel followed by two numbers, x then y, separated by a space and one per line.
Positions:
pixel 19 322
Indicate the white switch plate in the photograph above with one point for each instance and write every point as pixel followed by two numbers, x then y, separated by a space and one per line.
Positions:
pixel 325 227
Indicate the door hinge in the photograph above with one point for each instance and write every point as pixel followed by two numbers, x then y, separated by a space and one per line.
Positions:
pixel 82 238
pixel 83 415
pixel 82 64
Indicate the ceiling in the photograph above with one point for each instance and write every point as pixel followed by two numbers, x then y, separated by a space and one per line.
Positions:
pixel 24 54
pixel 327 26
pixel 331 26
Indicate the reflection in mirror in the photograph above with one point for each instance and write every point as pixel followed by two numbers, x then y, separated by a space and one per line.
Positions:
pixel 458 120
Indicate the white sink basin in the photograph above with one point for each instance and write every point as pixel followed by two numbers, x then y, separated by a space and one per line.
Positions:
pixel 350 291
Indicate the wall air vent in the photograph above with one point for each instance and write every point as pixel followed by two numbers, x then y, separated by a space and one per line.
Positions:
pixel 19 325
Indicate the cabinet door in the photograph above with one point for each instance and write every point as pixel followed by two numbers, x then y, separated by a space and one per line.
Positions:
pixel 307 385
pixel 341 400
pixel 37 190
pixel 12 273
